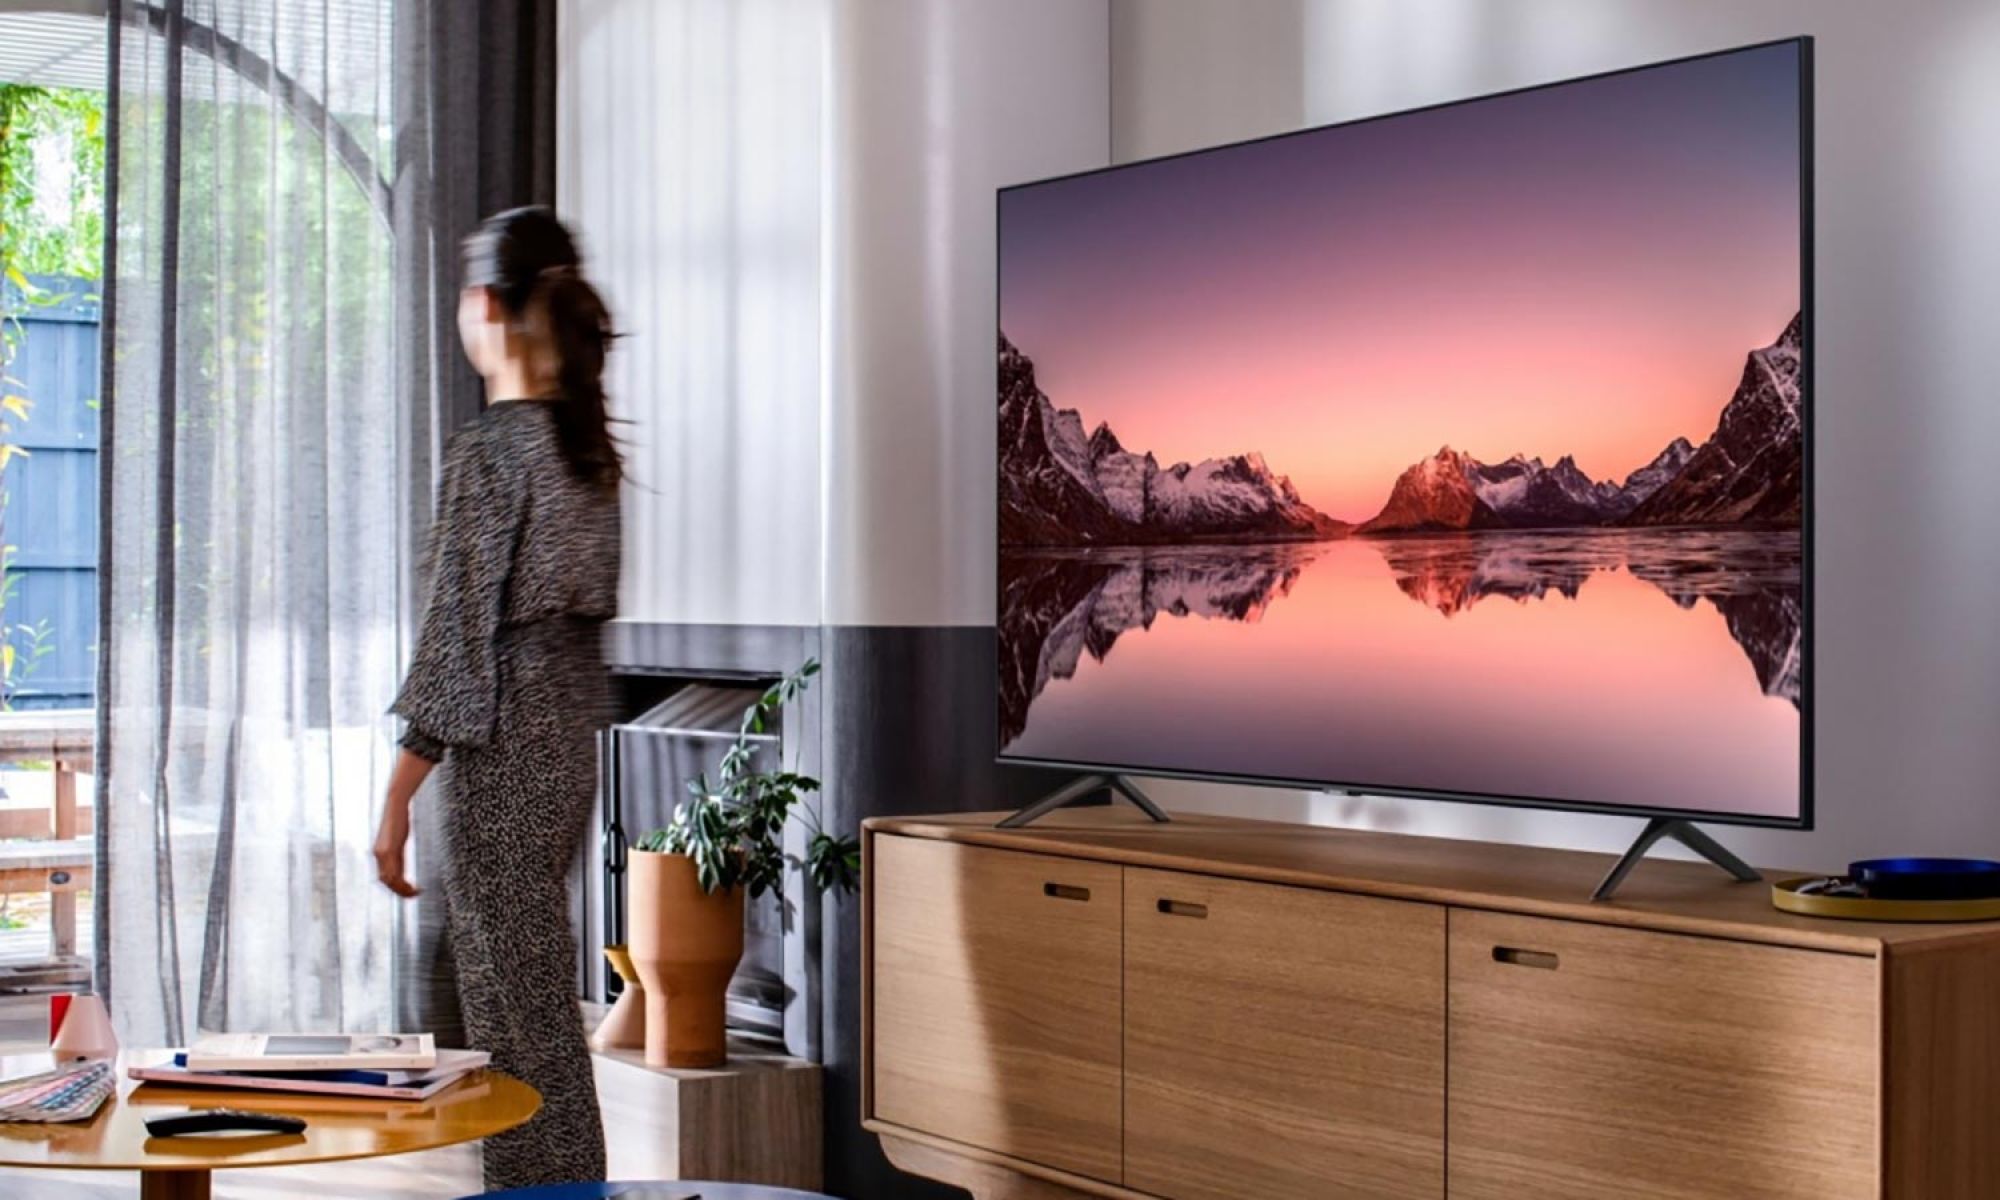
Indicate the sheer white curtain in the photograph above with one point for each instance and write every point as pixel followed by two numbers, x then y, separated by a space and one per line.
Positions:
pixel 254 584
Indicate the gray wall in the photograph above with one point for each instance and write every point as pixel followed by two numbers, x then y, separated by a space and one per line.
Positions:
pixel 1906 413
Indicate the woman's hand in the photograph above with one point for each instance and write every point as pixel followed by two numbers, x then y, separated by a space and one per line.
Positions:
pixel 390 841
pixel 394 835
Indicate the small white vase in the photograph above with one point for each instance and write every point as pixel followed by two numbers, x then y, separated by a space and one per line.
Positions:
pixel 85 1031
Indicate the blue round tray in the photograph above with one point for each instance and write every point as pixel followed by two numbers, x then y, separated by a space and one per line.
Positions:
pixel 1927 878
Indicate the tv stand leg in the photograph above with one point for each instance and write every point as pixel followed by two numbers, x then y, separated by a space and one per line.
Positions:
pixel 1076 790
pixel 1687 834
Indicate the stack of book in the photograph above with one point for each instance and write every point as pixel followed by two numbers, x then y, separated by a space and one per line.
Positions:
pixel 380 1067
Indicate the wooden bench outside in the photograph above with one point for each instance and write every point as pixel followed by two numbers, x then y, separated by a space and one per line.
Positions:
pixel 66 740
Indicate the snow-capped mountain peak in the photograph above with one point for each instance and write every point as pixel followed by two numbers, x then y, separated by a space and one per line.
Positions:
pixel 1103 441
pixel 1751 470
pixel 1438 493
pixel 1060 486
pixel 1520 493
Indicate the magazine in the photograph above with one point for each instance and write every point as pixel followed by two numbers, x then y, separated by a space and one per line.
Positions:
pixel 313 1052
pixel 451 1066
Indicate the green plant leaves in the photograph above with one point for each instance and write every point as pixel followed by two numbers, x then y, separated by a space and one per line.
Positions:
pixel 33 239
pixel 833 862
pixel 733 827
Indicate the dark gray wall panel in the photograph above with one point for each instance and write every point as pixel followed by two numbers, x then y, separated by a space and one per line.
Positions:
pixel 909 722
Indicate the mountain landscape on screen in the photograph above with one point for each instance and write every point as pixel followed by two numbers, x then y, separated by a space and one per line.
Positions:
pixel 1059 487
pixel 1057 610
pixel 1063 488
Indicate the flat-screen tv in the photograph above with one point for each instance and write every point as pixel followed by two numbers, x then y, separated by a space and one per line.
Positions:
pixel 1462 452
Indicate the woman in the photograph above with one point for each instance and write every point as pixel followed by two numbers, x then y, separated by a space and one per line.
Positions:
pixel 508 686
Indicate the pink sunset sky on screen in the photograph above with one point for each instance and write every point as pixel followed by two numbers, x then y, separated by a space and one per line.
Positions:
pixel 1578 270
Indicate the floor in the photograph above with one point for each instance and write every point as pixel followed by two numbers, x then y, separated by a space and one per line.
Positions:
pixel 432 1175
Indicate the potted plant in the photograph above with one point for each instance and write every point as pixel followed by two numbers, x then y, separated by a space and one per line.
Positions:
pixel 688 882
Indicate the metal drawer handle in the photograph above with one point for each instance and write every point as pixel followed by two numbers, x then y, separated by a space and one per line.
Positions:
pixel 1182 908
pixel 1064 891
pixel 1514 956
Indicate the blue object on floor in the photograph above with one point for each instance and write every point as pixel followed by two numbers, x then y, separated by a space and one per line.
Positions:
pixel 658 1189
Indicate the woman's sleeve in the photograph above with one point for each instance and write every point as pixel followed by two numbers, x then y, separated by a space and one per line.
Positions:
pixel 451 696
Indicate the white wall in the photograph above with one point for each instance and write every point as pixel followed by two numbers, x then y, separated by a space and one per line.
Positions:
pixel 790 207
pixel 1907 419
pixel 933 105
pixel 689 159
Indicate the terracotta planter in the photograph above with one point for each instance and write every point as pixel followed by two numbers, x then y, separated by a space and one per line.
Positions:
pixel 685 944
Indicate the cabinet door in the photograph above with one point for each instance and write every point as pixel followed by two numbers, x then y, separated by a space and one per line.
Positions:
pixel 995 1000
pixel 1281 1043
pixel 1589 1062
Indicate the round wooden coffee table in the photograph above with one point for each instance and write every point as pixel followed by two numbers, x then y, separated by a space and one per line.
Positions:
pixel 479 1106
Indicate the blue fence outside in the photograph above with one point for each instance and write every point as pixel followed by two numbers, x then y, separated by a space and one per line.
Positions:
pixel 50 516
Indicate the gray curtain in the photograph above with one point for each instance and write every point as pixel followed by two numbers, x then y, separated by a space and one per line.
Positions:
pixel 475 134
pixel 290 179
pixel 252 522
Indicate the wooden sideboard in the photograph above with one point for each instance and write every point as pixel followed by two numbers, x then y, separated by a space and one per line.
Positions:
pixel 1217 1009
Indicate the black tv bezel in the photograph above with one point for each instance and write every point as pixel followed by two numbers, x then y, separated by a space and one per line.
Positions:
pixel 1805 818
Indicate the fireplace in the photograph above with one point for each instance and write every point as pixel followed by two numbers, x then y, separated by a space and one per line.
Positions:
pixel 681 695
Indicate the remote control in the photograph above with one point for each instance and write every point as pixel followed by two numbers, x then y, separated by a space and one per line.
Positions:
pixel 223 1120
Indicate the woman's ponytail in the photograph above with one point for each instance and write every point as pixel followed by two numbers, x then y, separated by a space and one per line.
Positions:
pixel 580 334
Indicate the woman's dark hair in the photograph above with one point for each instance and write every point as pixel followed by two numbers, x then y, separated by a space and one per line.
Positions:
pixel 528 260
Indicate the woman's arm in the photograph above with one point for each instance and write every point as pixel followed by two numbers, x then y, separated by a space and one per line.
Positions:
pixel 393 836
pixel 450 696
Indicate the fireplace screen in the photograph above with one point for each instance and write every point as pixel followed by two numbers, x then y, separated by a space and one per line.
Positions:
pixel 647 764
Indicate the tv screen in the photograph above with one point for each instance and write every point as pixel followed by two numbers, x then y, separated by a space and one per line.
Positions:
pixel 1461 452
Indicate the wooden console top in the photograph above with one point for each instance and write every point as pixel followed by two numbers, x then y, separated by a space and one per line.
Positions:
pixel 1662 894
